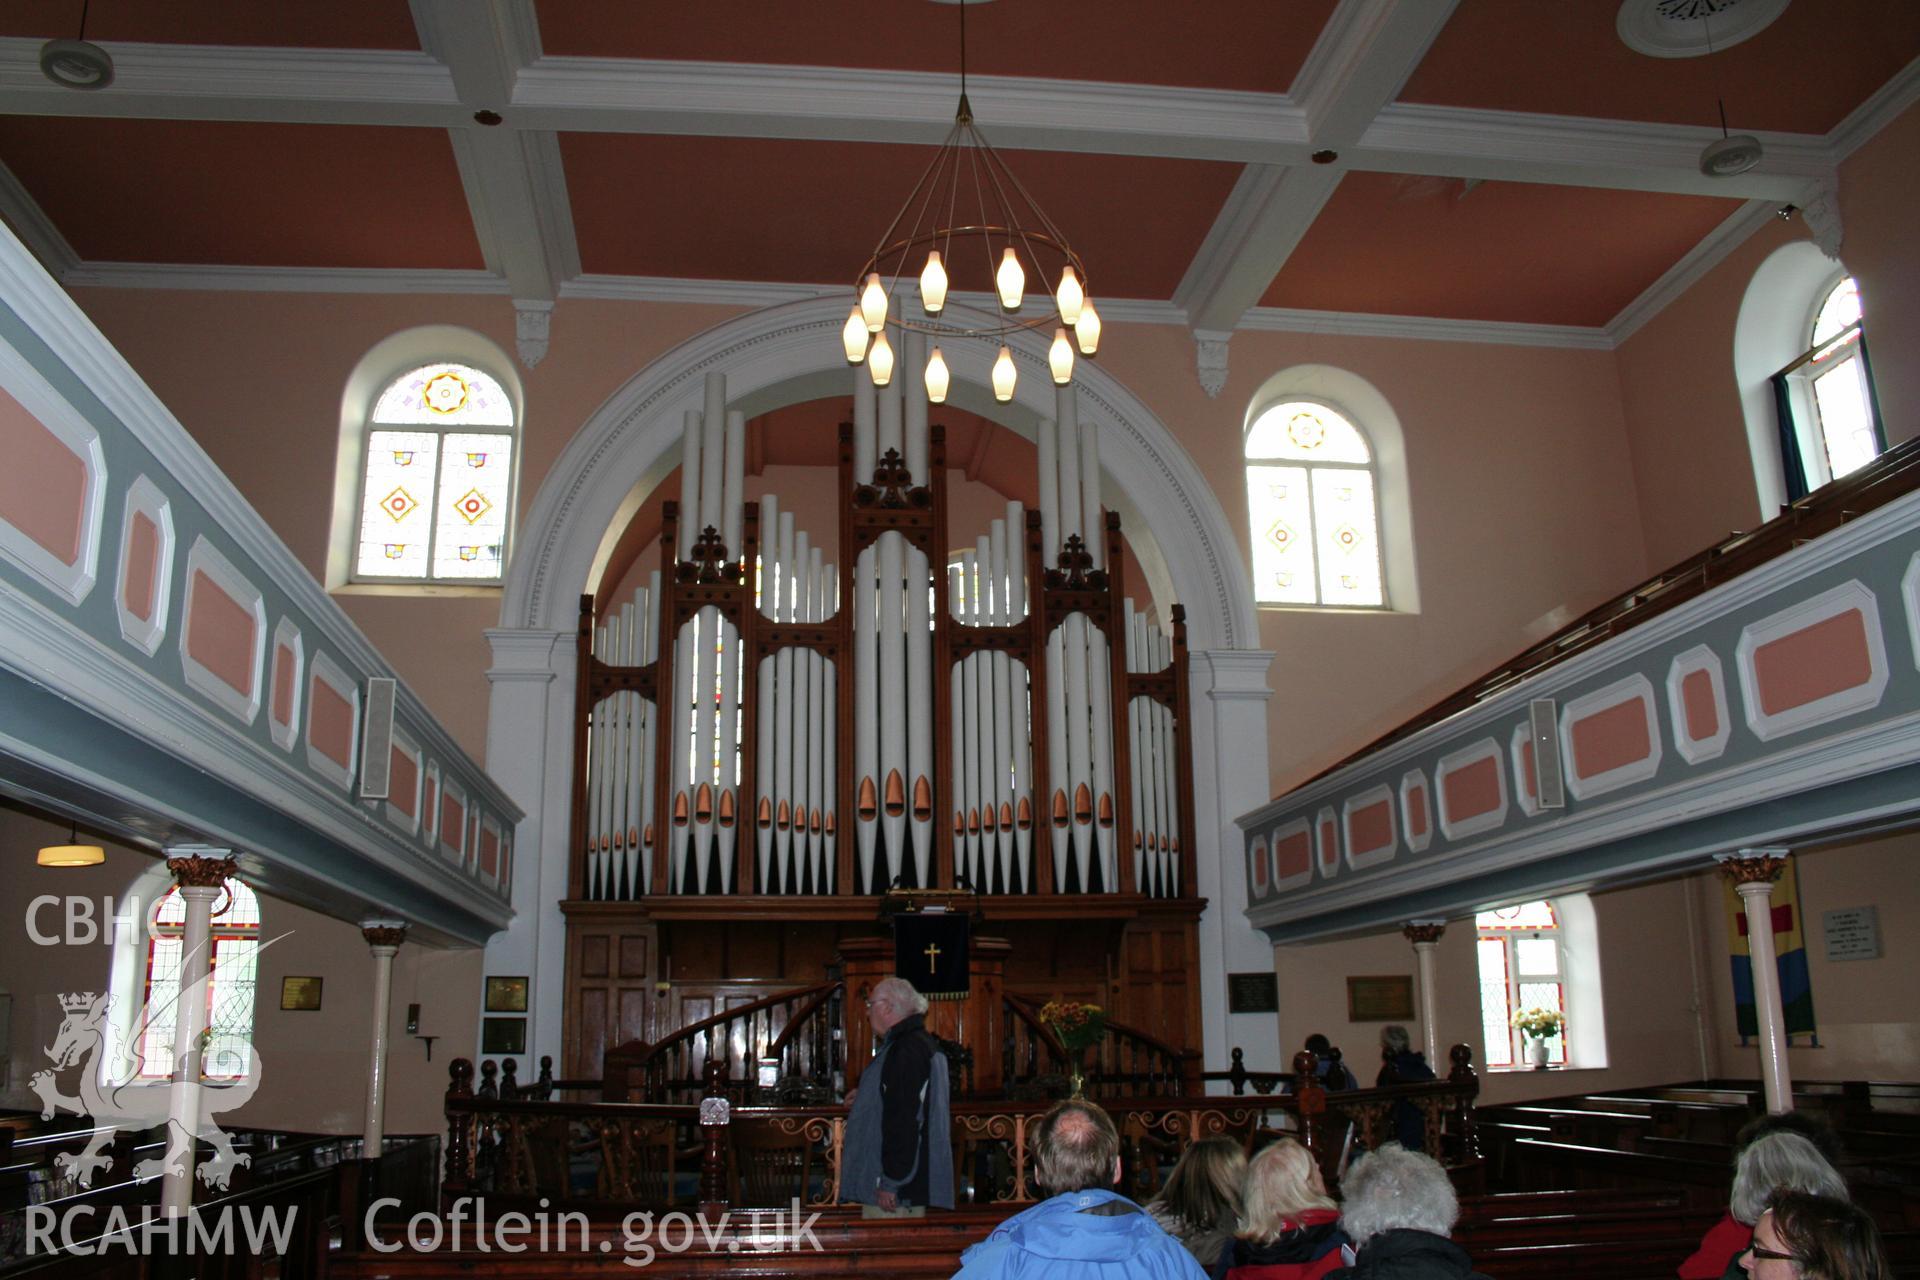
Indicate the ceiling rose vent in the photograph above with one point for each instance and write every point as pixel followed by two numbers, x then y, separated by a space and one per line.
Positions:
pixel 1678 28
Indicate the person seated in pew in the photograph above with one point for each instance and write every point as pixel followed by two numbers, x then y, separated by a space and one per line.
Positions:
pixel 1289 1225
pixel 1808 1237
pixel 1329 1066
pixel 1401 1063
pixel 1087 1230
pixel 1400 1210
pixel 1200 1204
pixel 1771 1154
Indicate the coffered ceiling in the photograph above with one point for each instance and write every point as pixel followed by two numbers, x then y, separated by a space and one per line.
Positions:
pixel 1494 168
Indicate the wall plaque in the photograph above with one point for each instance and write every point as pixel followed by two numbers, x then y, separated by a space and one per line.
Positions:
pixel 1253 993
pixel 506 995
pixel 1853 933
pixel 1380 998
pixel 300 994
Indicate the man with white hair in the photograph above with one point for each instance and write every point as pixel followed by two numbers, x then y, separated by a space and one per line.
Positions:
pixel 899 1145
pixel 1400 1207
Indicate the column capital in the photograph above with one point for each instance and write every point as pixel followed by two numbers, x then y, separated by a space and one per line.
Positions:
pixel 384 933
pixel 1423 932
pixel 523 654
pixel 200 866
pixel 1758 866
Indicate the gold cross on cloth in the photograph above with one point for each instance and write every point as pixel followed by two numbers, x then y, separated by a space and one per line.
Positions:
pixel 933 957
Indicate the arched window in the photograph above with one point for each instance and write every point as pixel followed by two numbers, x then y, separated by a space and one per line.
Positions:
pixel 1522 966
pixel 236 950
pixel 1312 502
pixel 436 483
pixel 1826 396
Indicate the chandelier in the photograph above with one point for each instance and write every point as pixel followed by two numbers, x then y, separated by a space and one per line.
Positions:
pixel 968 211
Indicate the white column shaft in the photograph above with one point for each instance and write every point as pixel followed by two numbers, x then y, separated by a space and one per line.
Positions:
pixel 1775 1079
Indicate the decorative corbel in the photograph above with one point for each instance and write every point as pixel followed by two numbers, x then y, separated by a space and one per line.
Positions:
pixel 532 322
pixel 1210 346
pixel 1821 212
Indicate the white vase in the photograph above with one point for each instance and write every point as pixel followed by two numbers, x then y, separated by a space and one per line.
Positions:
pixel 1537 1052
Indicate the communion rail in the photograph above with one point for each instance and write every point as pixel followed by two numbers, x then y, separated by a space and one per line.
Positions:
pixel 714 1154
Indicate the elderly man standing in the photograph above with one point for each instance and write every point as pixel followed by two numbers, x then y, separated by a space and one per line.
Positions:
pixel 899 1145
pixel 1087 1229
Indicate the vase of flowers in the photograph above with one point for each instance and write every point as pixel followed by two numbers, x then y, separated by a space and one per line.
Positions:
pixel 1078 1026
pixel 1539 1025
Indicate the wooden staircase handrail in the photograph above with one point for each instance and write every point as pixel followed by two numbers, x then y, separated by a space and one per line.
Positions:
pixel 686 1034
pixel 1030 1014
pixel 801 1015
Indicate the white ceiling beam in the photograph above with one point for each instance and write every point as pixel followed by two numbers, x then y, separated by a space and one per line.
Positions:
pixel 36 231
pixel 1357 66
pixel 515 186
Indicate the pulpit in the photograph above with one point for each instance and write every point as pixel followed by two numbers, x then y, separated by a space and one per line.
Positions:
pixel 974 1021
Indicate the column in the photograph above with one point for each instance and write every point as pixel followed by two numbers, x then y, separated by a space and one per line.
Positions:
pixel 1753 872
pixel 1425 937
pixel 383 938
pixel 199 872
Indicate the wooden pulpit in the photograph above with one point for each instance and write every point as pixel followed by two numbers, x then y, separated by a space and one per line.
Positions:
pixel 975 1021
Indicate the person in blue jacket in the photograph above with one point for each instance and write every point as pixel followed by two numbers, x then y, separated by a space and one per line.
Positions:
pixel 1087 1231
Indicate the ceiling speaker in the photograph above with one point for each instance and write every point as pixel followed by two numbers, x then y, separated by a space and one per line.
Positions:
pixel 1725 157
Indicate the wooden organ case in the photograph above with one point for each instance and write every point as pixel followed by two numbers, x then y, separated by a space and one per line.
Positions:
pixel 1006 722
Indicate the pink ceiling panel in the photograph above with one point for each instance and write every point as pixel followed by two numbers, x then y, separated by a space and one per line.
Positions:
pixel 800 212
pixel 1229 44
pixel 1394 245
pixel 245 194
pixel 359 24
pixel 1801 74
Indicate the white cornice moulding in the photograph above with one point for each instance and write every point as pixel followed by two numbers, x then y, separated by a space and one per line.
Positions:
pixel 1426 328
pixel 1687 272
pixel 36 230
pixel 152 275
pixel 1888 103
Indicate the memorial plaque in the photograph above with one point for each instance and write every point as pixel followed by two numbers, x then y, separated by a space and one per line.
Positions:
pixel 1853 933
pixel 1253 993
pixel 1380 998
pixel 301 995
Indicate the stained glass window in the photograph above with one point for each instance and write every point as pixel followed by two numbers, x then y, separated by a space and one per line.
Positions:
pixel 1311 500
pixel 1522 966
pixel 436 497
pixel 228 1053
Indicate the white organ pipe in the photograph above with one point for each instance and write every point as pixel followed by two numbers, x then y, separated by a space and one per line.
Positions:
pixel 613 837
pixel 650 739
pixel 705 668
pixel 1099 688
pixel 1070 523
pixel 893 686
pixel 805 560
pixel 713 463
pixel 983 714
pixel 830 754
pixel 1168 755
pixel 889 404
pixel 1019 702
pixel 1050 536
pixel 1079 761
pixel 689 486
pixel 599 727
pixel 733 486
pixel 781 782
pixel 625 832
pixel 956 726
pixel 816 722
pixel 865 427
pixel 866 709
pixel 969 718
pixel 919 637
pixel 1000 795
pixel 763 777
pixel 636 744
pixel 914 389
pixel 1058 807
pixel 1094 531
pixel 726 798
pixel 681 744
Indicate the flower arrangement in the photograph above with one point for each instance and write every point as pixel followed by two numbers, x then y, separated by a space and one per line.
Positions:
pixel 1078 1025
pixel 1539 1022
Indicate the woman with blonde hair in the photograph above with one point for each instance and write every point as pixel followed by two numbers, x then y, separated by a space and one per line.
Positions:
pixel 1289 1225
pixel 1200 1204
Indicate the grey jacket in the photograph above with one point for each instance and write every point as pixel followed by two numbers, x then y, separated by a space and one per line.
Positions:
pixel 899 1135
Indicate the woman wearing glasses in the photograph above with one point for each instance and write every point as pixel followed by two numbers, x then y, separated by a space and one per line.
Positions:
pixel 1809 1237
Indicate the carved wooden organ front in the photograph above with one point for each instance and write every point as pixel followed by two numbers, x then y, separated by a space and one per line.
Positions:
pixel 763 726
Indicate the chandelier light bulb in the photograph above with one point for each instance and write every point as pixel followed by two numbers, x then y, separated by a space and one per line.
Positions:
pixel 1070 296
pixel 1011 279
pixel 854 337
pixel 937 378
pixel 1060 358
pixel 1003 374
pixel 933 285
pixel 880 360
pixel 873 305
pixel 1087 330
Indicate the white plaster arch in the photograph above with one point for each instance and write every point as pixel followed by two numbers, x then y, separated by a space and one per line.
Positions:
pixel 1775 321
pixel 790 353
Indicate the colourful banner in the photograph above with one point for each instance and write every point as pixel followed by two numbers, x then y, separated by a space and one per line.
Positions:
pixel 1790 945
